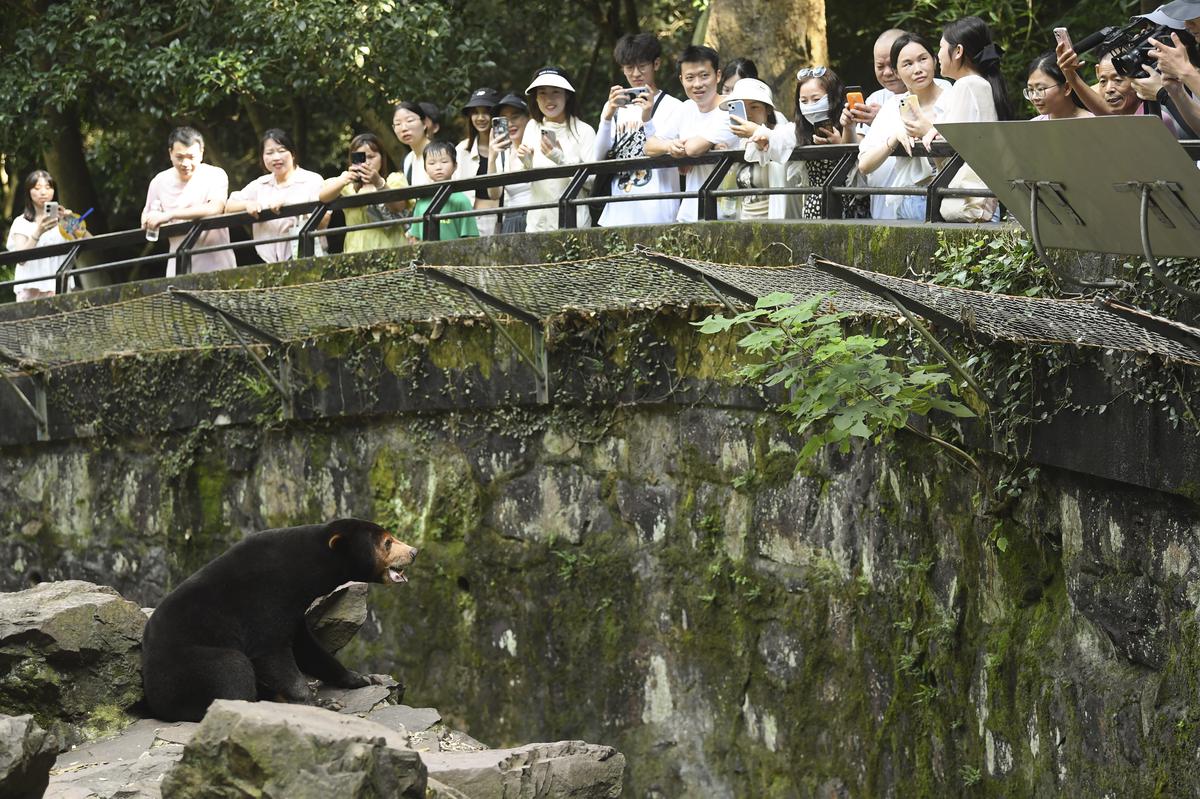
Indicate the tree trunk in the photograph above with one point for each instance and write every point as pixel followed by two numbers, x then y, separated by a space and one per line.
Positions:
pixel 65 160
pixel 780 36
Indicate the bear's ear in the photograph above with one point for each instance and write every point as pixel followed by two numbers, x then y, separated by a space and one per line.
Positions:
pixel 333 539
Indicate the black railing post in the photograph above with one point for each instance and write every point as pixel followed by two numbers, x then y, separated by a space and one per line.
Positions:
pixel 183 256
pixel 430 229
pixel 308 241
pixel 831 208
pixel 706 203
pixel 62 283
pixel 933 205
pixel 567 214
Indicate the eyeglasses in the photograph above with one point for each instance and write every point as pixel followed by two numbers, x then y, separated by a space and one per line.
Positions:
pixel 1037 92
pixel 637 69
pixel 811 72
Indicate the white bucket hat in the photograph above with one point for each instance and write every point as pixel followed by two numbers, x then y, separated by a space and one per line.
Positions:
pixel 550 77
pixel 749 89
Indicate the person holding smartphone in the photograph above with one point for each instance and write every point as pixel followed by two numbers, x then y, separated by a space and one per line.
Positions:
pixel 368 163
pixel 37 227
pixel 915 61
pixel 554 137
pixel 473 151
pixel 622 134
pixel 508 127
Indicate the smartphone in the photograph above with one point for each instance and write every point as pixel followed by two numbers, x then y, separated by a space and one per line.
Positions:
pixel 1062 37
pixel 51 208
pixel 854 96
pixel 633 92
pixel 551 137
pixel 737 108
pixel 500 126
pixel 911 103
pixel 358 157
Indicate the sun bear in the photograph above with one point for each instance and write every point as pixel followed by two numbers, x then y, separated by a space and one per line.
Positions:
pixel 236 628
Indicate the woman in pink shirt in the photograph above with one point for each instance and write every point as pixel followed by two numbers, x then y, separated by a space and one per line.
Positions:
pixel 284 184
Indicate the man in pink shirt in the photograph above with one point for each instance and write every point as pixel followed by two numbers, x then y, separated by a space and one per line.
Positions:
pixel 190 189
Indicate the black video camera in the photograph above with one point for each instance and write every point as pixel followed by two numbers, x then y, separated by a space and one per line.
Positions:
pixel 1129 47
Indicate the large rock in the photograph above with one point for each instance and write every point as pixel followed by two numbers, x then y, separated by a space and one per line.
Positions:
pixel 293 752
pixel 69 655
pixel 26 754
pixel 336 618
pixel 562 770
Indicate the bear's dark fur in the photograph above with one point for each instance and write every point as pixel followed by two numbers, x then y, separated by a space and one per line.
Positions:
pixel 236 628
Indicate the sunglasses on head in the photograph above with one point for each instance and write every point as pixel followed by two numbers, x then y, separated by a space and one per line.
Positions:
pixel 811 72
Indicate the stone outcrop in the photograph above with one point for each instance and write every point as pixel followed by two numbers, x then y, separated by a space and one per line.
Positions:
pixel 294 751
pixel 561 770
pixel 335 618
pixel 69 656
pixel 26 754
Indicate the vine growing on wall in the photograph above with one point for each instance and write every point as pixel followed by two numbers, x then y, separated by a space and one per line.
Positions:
pixel 842 385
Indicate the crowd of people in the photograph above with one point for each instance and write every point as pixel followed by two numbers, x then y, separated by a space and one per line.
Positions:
pixel 922 83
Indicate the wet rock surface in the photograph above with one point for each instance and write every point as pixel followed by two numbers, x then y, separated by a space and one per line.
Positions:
pixel 69 655
pixel 26 755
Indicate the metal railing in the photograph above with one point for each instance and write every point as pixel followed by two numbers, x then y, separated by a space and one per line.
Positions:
pixel 834 186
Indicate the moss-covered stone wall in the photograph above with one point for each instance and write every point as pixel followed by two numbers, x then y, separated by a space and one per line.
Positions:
pixel 637 562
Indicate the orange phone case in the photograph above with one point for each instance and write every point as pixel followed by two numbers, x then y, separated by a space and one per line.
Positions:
pixel 853 99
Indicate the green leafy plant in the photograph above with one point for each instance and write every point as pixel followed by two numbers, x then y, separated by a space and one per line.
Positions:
pixel 841 385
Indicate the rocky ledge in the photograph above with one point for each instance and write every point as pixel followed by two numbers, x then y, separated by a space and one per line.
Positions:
pixel 66 634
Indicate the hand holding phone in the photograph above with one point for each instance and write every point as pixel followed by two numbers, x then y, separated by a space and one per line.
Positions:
pixel 500 127
pixel 1062 37
pixel 854 97
pixel 910 104
pixel 737 108
pixel 358 157
pixel 51 209
pixel 551 137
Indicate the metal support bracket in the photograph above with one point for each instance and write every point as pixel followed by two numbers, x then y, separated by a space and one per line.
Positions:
pixel 1038 191
pixel 37 407
pixel 536 357
pixel 281 383
pixel 1172 191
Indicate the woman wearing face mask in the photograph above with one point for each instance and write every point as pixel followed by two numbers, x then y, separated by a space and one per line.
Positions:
pixel 284 184
pixel 914 60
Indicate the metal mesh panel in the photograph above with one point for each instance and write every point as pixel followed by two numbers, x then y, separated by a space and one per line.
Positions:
pixel 297 312
pixel 1002 317
pixel 163 322
pixel 618 281
pixel 147 324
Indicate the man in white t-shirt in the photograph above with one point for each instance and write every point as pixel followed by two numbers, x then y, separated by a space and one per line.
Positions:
pixel 892 89
pixel 190 189
pixel 699 125
pixel 621 134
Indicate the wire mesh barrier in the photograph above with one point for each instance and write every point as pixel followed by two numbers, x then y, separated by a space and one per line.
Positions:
pixel 177 320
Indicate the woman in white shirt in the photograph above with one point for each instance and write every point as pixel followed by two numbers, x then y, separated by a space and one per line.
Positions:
pixel 915 62
pixel 970 58
pixel 36 228
pixel 474 157
pixel 554 137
